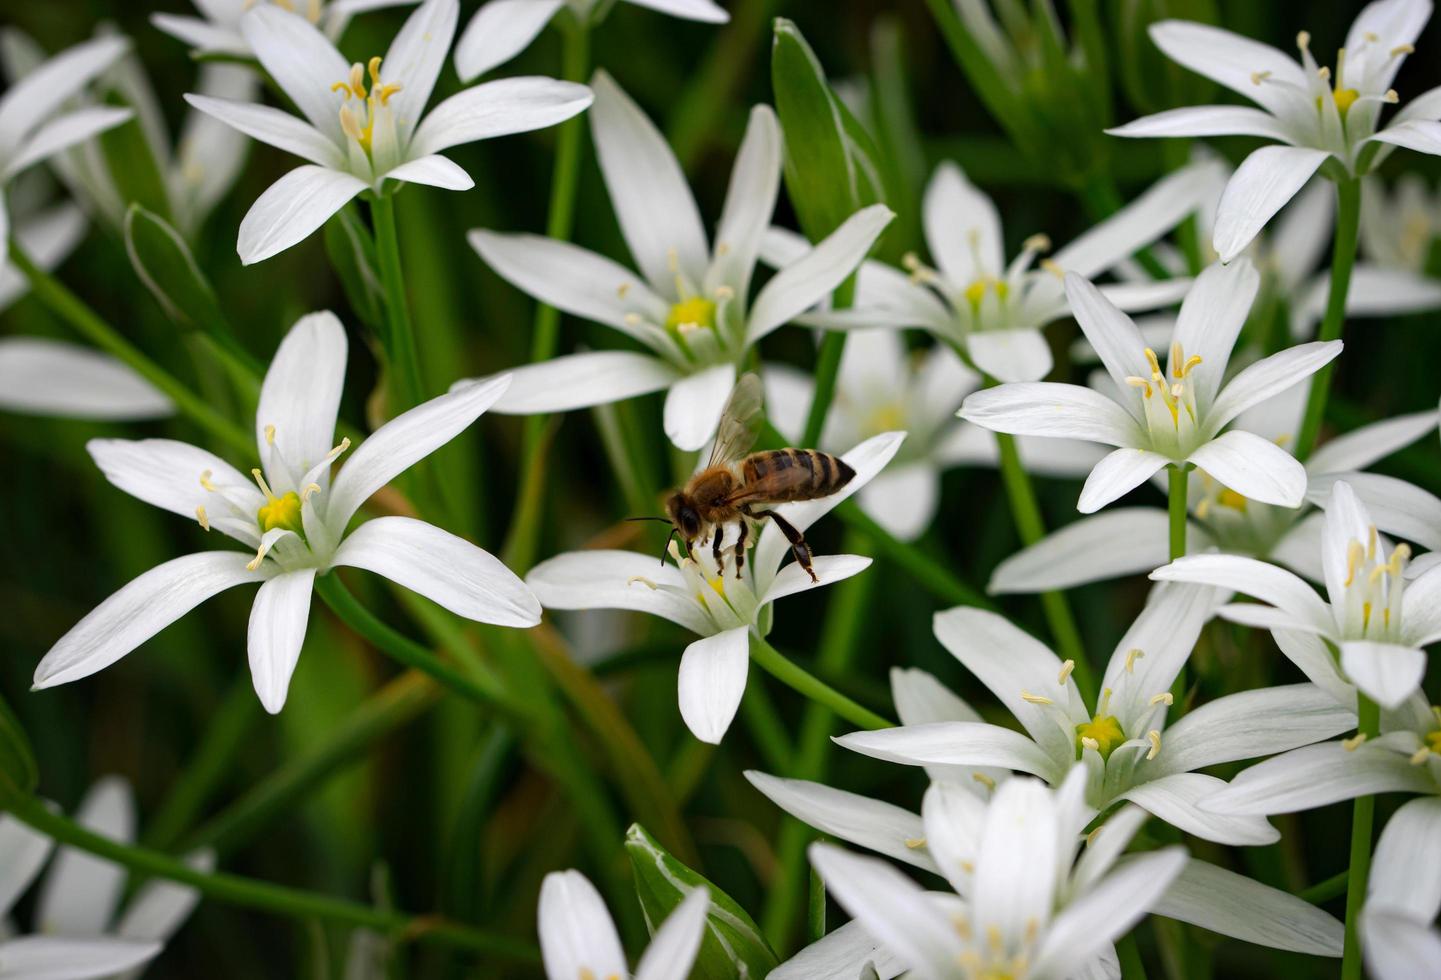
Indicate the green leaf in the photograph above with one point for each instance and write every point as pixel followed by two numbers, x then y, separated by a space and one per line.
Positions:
pixel 819 172
pixel 732 947
pixel 18 775
pixel 164 263
pixel 352 255
pixel 131 162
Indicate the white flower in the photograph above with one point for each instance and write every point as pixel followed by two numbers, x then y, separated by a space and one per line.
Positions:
pixel 1319 114
pixel 295 516
pixel 578 937
pixel 502 29
pixel 77 933
pixel 709 600
pixel 991 310
pixel 1133 540
pixel 1400 223
pixel 1403 895
pixel 39 376
pixel 1377 620
pixel 690 304
pixel 1127 751
pixel 367 123
pixel 30 129
pixel 1157 418
pixel 218 31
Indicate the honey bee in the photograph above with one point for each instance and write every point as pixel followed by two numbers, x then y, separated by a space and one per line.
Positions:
pixel 736 488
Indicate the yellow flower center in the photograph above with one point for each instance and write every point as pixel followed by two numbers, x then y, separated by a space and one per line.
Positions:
pixel 1344 98
pixel 1104 730
pixel 282 511
pixel 360 126
pixel 976 291
pixel 890 417
pixel 691 314
pixel 311 12
pixel 1433 740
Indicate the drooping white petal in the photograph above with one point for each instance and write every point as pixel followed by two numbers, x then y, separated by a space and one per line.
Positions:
pixel 1255 468
pixel 1269 377
pixel 1317 775
pixel 577 935
pixel 56 958
pixel 879 826
pixel 433 170
pixel 499 108
pixel 34 98
pixel 1253 724
pixel 300 397
pixel 1255 578
pixel 829 569
pixel 582 380
pixel 1176 798
pixel 1120 472
pixel 201 35
pixel 1386 672
pixel 1206 120
pixel 1113 543
pixel 302 61
pixel 672 950
pixel 62 133
pixel 404 441
pixel 803 283
pixel 955 743
pixel 1045 408
pixel 51 377
pixel 293 207
pixel 141 609
pixel 414 61
pixel 1421 135
pixel 1260 187
pixel 694 404
pixel 711 682
pixel 272 126
pixel 648 190
pixel 963 228
pixel 500 30
pixel 1361 447
pixel 1234 905
pixel 1011 355
pixel 80 892
pixel 277 631
pixel 617 580
pixel 23 852
pixel 1232 60
pixel 702 10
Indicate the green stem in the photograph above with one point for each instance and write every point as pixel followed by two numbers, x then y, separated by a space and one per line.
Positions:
pixel 89 324
pixel 1324 891
pixel 1027 514
pixel 1343 258
pixel 407 388
pixel 1132 967
pixel 774 663
pixel 927 572
pixel 519 549
pixel 828 365
pixel 1363 812
pixel 262 895
pixel 1176 506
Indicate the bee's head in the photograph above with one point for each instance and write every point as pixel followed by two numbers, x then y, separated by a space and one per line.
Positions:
pixel 683 516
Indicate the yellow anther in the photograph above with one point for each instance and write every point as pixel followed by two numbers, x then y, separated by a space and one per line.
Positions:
pixel 1037 243
pixel 1433 739
pixel 1064 675
pixel 357 80
pixel 1105 703
pixel 1090 743
pixel 1187 366
pixel 1303 40
pixel 1257 77
pixel 1136 382
pixel 270 435
pixel 264 487
pixel 995 938
pixel 1230 498
pixel 1156 373
pixel 1054 268
pixel 643 581
pixel 622 289
pixel 984 780
pixel 723 293
pixel 1371 37
pixel 205 481
pixel 1154 737
pixel 1030 698
pixel 311 489
pixel 1132 655
pixel 969 867
pixel 911 261
pixel 1371 539
pixel 914 842
pixel 1091 837
pixel 1354 742
pixel 1355 555
pixel 1323 73
pixel 975 292
pixel 1420 756
pixel 341 87
pixel 1401 49
pixel 200 516
pixel 1165 697
pixel 374 68
pixel 632 319
pixel 1391 97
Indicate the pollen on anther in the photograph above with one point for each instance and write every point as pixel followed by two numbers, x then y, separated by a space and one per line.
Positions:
pixel 1401 49
pixel 270 435
pixel 1030 698
pixel 622 289
pixel 1257 77
pixel 649 584
pixel 1303 39
pixel 1353 743
pixel 1391 97
pixel 1054 268
pixel 1065 673
pixel 202 518
pixel 1090 743
pixel 1132 655
pixel 1154 737
pixel 632 319
pixel 310 490
pixel 984 780
pixel 1420 756
pixel 205 481
pixel 1037 243
pixel 915 842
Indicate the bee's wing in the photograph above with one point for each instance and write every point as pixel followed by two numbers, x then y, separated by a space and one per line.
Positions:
pixel 740 422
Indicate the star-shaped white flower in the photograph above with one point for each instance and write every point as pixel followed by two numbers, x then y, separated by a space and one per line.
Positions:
pixel 502 29
pixel 1399 222
pixel 1177 416
pixel 690 305
pixel 1403 894
pixel 1378 621
pixel 366 124
pixel 1317 113
pixel 294 516
pixel 992 310
pixel 1128 752
pixel 578 937
pixel 218 28
pixel 711 601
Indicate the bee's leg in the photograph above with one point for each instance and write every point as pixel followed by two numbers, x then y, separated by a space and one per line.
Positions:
pixel 715 549
pixel 797 540
pixel 741 546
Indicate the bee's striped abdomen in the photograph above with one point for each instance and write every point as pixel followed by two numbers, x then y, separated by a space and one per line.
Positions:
pixel 782 475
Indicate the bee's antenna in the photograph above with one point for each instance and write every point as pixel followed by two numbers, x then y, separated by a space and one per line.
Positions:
pixel 668 538
pixel 663 520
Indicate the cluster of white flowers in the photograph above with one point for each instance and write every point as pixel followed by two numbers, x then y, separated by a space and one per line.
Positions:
pixel 1032 832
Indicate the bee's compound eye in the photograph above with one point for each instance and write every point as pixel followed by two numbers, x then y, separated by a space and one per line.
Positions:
pixel 690 523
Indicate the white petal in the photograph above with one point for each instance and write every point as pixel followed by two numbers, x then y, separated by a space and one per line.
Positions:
pixel 64 132
pixel 1361 447
pixel 1210 321
pixel 1175 799
pixel 1260 187
pixel 139 610
pixel 955 833
pixel 1140 296
pixel 1106 844
pixel 1165 632
pixel 1398 947
pixel 1123 541
pixel 1231 60
pixel 711 682
pixel 892 908
pixel 1044 408
pixel 577 935
pixel 1122 471
pixel 499 108
pixel 582 380
pixel 673 948
pixel 1380 291
pixel 34 98
pixel 23 852
pixel 293 207
pixel 415 58
pixel 1314 659
pixel 1113 335
pixel 161 907
pixel 201 35
pixel 500 30
pixel 872 824
pixel 1206 120
pixel 48 239
pixel 1269 377
pixel 750 201
pixel 1300 547
pixel 569 278
pixel 404 441
pixel 694 404
pixel 971 445
pixel 1346 520
pixel 165 473
pixel 433 171
pixel 1397 507
pixel 1301 233
pixel 903 500
pixel 277 632
pixel 301 396
pixel 1421 609
pixel 617 580
pixel 1386 672
pixel 835 957
pixel 272 126
pixel 446 569
pixel 1236 906
pixel 828 568
pixel 1253 467
pixel 1252 724
pixel 963 228
pixel 1011 355
pixel 54 958
pixel 1255 578
pixel 80 892
pixel 1406 868
pixel 955 743
pixel 302 62
pixel 1016 869
pixel 1421 135
pixel 1317 775
pixel 804 282
pixel 702 10
pixel 51 377
pixel 648 190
